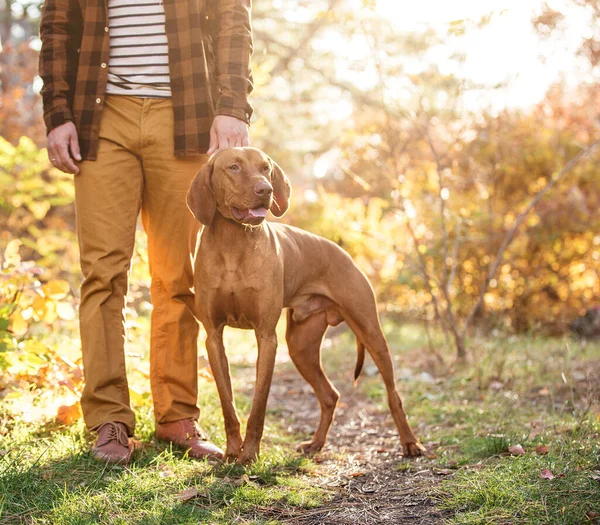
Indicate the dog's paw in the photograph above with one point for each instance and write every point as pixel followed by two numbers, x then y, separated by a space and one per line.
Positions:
pixel 233 449
pixel 309 447
pixel 231 458
pixel 245 458
pixel 413 450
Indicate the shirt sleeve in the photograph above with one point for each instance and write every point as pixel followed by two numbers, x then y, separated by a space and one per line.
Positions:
pixel 233 52
pixel 60 33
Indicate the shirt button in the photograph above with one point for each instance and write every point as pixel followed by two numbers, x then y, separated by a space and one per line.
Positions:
pixel 98 100
pixel 106 29
pixel 103 65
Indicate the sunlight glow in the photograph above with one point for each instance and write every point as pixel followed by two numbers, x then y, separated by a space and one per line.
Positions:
pixel 513 65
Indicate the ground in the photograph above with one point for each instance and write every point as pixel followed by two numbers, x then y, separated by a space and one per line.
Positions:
pixel 361 466
pixel 514 391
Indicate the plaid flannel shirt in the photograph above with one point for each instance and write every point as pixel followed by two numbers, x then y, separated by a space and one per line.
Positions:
pixel 210 43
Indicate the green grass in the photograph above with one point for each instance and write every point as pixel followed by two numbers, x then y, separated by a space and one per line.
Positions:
pixel 49 477
pixel 517 390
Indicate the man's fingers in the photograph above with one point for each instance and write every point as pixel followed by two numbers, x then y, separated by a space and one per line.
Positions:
pixel 224 142
pixel 65 159
pixel 214 141
pixel 61 154
pixel 54 156
pixel 74 146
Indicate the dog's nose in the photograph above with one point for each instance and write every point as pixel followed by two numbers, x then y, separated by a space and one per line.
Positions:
pixel 263 189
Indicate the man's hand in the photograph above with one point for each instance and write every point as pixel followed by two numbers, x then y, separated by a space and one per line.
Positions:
pixel 63 147
pixel 227 132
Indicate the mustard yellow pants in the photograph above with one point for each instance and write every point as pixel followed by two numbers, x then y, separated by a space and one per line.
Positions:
pixel 135 171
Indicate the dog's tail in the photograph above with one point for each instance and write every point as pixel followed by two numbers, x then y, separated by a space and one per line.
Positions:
pixel 360 360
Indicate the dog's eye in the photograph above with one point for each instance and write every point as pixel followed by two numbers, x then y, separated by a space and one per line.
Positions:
pixel 234 167
pixel 266 168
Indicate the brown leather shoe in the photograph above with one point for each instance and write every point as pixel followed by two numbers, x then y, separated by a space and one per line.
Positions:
pixel 112 444
pixel 187 434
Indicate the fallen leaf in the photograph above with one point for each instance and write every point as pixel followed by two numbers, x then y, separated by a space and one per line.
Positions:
pixel 67 415
pixel 516 450
pixel 595 475
pixel 592 515
pixel 356 474
pixel 205 373
pixel 544 391
pixel 546 474
pixel 167 473
pixel 541 450
pixel 3 453
pixel 431 456
pixel 187 494
pixel 442 471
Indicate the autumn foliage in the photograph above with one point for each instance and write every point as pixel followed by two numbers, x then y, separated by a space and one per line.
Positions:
pixel 422 197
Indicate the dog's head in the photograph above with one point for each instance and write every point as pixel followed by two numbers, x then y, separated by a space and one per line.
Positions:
pixel 241 184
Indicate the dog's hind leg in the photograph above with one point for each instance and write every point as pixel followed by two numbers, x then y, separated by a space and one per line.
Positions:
pixel 304 345
pixel 378 348
pixel 359 310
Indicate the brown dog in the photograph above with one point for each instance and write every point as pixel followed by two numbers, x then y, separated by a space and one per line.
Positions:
pixel 248 270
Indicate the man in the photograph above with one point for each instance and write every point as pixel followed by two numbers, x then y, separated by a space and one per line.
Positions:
pixel 136 96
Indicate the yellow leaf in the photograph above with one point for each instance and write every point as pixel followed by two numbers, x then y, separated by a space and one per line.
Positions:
pixel 39 306
pixel 39 209
pixel 12 395
pixel 50 314
pixel 56 289
pixel 27 313
pixel 35 347
pixel 19 325
pixel 65 311
pixel 136 397
pixel 11 253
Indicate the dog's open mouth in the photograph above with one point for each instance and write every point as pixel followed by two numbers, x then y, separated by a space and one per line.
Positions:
pixel 250 216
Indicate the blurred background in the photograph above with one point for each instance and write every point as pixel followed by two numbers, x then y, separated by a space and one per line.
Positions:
pixel 428 139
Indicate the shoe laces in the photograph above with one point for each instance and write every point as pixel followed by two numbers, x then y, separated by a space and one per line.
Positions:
pixel 193 429
pixel 114 432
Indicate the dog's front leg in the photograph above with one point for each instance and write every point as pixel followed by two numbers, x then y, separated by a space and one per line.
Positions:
pixel 267 348
pixel 220 369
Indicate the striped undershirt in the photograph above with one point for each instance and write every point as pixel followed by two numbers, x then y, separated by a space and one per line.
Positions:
pixel 139 55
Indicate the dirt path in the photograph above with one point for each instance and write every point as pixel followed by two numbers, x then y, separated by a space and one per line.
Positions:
pixel 361 465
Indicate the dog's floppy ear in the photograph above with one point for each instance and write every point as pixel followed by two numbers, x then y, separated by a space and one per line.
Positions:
pixel 200 197
pixel 281 191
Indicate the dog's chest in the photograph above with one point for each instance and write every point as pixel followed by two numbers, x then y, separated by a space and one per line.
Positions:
pixel 235 293
pixel 239 308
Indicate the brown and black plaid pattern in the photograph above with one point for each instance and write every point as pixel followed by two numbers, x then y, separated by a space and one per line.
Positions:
pixel 210 43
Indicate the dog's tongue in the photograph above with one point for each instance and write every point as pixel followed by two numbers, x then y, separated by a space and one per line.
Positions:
pixel 258 212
